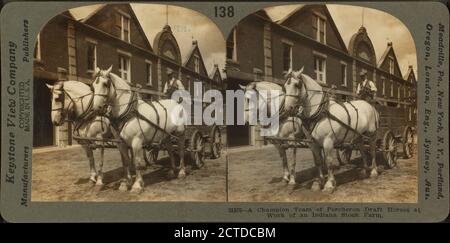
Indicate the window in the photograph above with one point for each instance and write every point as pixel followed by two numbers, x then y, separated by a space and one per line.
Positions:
pixel 410 113
pixel 319 28
pixel 391 65
pixel 399 88
pixel 320 69
pixel 124 67
pixel 148 66
pixel 383 83
pixel 37 48
pixel 125 28
pixel 392 88
pixel 91 56
pixel 287 57
pixel 344 74
pixel 197 64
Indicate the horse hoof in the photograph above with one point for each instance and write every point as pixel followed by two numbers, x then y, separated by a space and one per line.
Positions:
pixel 123 187
pixel 137 190
pixel 99 182
pixel 374 173
pixel 329 187
pixel 93 180
pixel 285 179
pixel 181 174
pixel 291 182
pixel 315 186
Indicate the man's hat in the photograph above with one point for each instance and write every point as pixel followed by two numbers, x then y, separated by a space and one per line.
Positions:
pixel 169 71
pixel 363 72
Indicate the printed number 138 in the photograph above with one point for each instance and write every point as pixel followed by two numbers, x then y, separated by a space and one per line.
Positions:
pixel 222 11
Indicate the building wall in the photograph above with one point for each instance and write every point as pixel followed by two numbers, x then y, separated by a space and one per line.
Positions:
pixel 102 30
pixel 108 20
pixel 53 44
pixel 250 51
pixel 302 22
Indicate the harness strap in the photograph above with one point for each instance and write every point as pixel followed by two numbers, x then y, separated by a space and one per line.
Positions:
pixel 157 120
pixel 357 117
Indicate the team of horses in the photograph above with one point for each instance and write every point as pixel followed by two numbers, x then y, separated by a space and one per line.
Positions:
pixel 109 108
pixel 307 111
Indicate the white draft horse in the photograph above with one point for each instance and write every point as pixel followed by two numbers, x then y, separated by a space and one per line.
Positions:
pixel 329 124
pixel 289 127
pixel 72 101
pixel 139 123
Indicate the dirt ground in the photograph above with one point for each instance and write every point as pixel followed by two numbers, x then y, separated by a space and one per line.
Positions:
pixel 255 176
pixel 64 176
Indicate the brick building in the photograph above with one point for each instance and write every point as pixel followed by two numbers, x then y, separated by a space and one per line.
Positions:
pixel 262 49
pixel 108 35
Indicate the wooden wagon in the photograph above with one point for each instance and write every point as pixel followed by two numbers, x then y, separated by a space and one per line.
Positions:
pixel 397 129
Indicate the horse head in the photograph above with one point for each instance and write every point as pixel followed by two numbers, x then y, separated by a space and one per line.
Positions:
pixel 102 87
pixel 294 89
pixel 59 109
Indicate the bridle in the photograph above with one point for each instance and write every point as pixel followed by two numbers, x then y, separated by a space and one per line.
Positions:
pixel 62 98
pixel 65 110
pixel 299 100
pixel 109 83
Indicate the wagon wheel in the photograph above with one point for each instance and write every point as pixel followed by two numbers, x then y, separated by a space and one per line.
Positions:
pixel 389 148
pixel 197 149
pixel 344 155
pixel 216 143
pixel 408 143
pixel 151 155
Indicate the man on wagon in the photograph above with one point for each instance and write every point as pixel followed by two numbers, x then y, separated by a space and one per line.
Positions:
pixel 366 89
pixel 173 84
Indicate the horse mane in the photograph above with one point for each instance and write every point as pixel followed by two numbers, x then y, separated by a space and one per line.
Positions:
pixel 118 81
pixel 77 86
pixel 266 85
pixel 311 81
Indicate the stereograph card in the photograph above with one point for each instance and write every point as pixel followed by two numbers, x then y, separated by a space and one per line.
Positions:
pixel 224 111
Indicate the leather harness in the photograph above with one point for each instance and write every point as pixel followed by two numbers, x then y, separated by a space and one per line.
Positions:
pixel 133 112
pixel 310 122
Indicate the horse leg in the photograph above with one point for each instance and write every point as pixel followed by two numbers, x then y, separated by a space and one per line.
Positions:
pixel 328 148
pixel 292 167
pixel 126 181
pixel 100 169
pixel 181 144
pixel 173 167
pixel 282 152
pixel 317 154
pixel 364 169
pixel 90 155
pixel 139 162
pixel 374 172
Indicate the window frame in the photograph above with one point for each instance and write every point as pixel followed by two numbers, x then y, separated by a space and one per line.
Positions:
pixel 320 27
pixel 122 30
pixel 391 65
pixel 345 74
pixel 323 57
pixel 93 43
pixel 392 88
pixel 290 45
pixel 196 64
pixel 149 72
pixel 126 56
